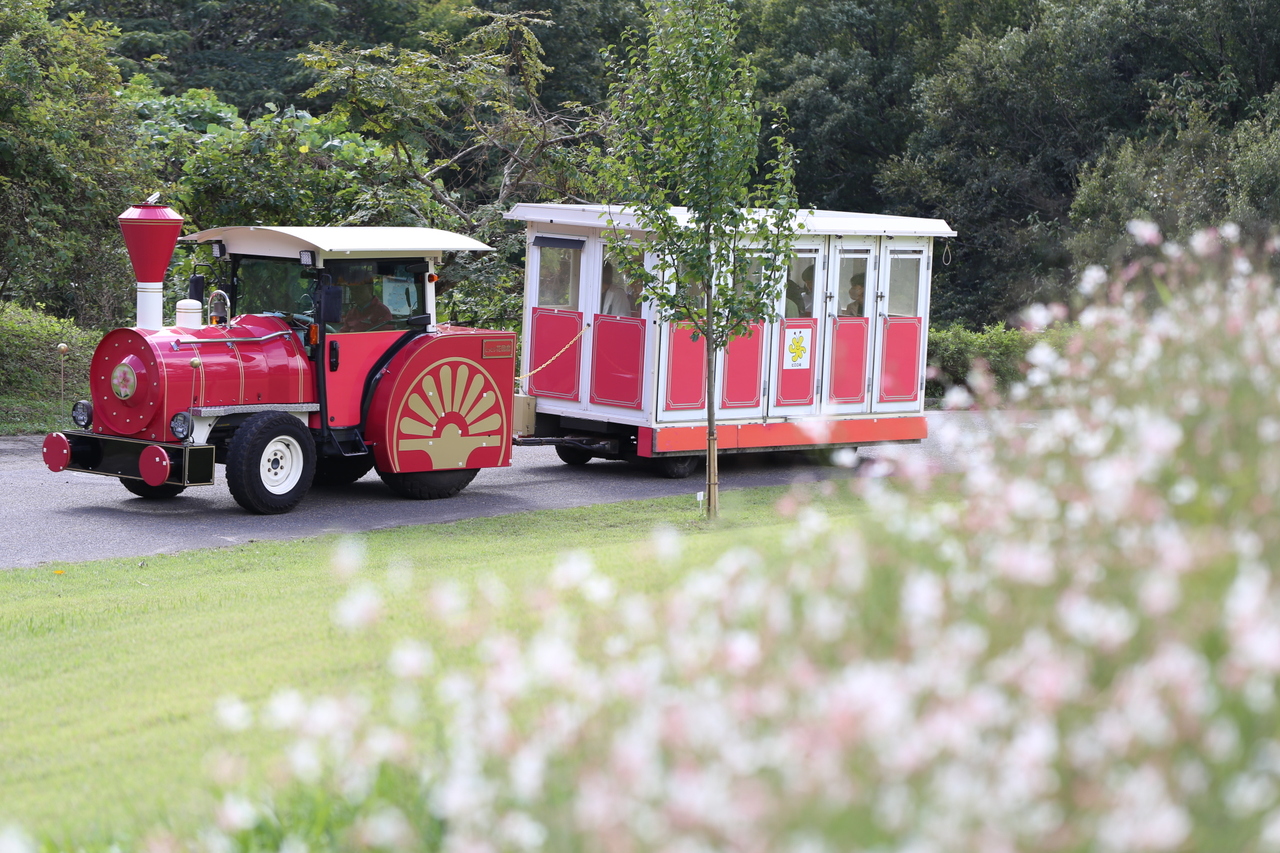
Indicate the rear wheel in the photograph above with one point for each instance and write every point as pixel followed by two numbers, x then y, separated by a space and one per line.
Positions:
pixel 429 485
pixel 675 467
pixel 573 455
pixel 164 491
pixel 342 470
pixel 271 461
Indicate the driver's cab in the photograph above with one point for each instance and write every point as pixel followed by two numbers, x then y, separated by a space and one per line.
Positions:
pixel 350 293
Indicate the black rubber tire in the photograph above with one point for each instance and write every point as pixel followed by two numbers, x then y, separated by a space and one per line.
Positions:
pixel 573 455
pixel 271 462
pixel 341 470
pixel 429 485
pixel 675 467
pixel 164 491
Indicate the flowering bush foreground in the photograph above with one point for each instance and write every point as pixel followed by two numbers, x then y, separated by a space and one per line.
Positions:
pixel 1080 653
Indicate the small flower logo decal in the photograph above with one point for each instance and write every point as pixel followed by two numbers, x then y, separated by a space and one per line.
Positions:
pixel 124 381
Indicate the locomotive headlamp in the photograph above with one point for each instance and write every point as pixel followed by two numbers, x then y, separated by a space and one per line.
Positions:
pixel 82 414
pixel 307 258
pixel 181 425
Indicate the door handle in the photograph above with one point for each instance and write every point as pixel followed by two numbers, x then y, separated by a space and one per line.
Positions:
pixel 333 356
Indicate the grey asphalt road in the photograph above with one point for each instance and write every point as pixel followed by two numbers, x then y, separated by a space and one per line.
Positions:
pixel 73 517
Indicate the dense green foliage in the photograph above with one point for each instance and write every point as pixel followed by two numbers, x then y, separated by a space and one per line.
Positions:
pixel 30 363
pixel 998 350
pixel 66 161
pixel 1037 129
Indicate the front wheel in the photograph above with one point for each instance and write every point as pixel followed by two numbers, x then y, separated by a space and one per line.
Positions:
pixel 271 461
pixel 164 491
pixel 429 485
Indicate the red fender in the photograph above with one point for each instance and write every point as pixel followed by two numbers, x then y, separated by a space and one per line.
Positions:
pixel 445 402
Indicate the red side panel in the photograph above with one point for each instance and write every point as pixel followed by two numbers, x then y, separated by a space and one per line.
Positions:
pixel 849 360
pixel 743 366
pixel 900 371
pixel 686 385
pixel 797 362
pixel 357 352
pixel 617 361
pixel 445 403
pixel 550 331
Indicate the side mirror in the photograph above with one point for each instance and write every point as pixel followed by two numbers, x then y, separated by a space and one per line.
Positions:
pixel 195 287
pixel 330 303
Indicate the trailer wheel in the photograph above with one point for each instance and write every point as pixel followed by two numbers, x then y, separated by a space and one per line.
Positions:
pixel 342 470
pixel 271 462
pixel 164 491
pixel 429 485
pixel 573 455
pixel 676 467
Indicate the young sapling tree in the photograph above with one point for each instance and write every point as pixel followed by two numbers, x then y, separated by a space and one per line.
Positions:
pixel 681 154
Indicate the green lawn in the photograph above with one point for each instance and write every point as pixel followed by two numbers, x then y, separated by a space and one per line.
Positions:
pixel 111 670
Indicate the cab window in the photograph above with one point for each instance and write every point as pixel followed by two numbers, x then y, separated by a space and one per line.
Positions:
pixel 271 285
pixel 376 295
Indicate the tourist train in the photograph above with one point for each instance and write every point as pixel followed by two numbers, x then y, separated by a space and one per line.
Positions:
pixel 311 355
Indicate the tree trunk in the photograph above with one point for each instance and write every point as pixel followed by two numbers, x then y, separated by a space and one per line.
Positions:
pixel 713 462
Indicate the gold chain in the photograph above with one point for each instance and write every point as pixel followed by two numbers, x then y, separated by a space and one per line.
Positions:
pixel 557 355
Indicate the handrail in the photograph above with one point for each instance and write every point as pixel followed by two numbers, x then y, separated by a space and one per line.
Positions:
pixel 269 337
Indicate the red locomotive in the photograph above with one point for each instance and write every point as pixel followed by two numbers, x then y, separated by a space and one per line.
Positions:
pixel 321 359
pixel 329 365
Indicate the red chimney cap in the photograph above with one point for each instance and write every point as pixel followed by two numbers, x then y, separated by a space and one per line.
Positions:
pixel 150 233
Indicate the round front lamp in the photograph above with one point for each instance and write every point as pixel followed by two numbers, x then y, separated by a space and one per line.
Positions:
pixel 181 425
pixel 82 414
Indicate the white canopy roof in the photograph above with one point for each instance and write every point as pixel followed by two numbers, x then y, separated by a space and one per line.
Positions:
pixel 284 242
pixel 819 222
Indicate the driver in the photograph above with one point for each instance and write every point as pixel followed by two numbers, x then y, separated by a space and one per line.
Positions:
pixel 365 311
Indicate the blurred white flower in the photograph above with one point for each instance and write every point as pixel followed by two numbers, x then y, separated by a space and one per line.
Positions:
pixel 957 397
pixel 348 557
pixel 448 600
pixel 572 570
pixel 844 457
pixel 522 831
pixel 233 715
pixel 14 840
pixel 667 544
pixel 741 652
pixel 385 829
pixel 410 659
pixel 359 609
pixel 235 814
pixel 285 709
pixel 1144 817
pixel 1205 242
pixel 1144 233
pixel 1092 279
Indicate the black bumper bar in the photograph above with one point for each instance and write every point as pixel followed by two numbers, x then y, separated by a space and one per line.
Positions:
pixel 112 456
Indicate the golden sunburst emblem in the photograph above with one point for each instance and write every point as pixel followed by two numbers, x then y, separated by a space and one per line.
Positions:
pixel 453 409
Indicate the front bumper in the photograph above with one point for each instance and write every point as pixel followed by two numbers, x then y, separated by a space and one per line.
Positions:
pixel 154 462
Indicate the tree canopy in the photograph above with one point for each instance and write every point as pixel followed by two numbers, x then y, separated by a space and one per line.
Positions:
pixel 1037 128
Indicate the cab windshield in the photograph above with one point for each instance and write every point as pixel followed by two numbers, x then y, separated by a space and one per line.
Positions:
pixel 377 295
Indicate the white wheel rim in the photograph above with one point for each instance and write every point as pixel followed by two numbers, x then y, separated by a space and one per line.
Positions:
pixel 281 467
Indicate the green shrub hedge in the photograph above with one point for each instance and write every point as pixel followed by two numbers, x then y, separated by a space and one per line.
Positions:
pixel 30 364
pixel 953 350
